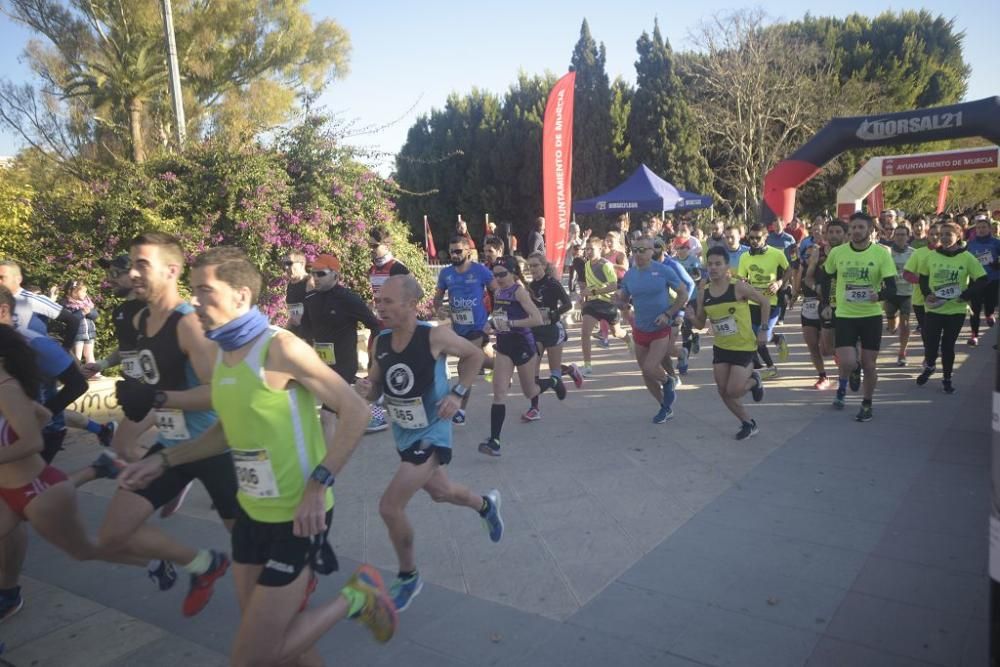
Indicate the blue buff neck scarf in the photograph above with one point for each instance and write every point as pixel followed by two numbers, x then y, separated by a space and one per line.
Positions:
pixel 237 333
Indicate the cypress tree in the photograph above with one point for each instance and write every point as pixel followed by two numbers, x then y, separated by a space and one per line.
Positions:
pixel 594 168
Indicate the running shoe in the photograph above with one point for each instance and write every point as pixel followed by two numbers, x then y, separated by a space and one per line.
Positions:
pixel 11 605
pixel 107 466
pixel 695 343
pixel 171 508
pixel 973 341
pixel 458 419
pixel 559 388
pixel 669 393
pixel 603 342
pixel 379 613
pixel 990 321
pixel 769 373
pixel 587 371
pixel 682 361
pixel 664 415
pixel 107 433
pixel 838 400
pixel 203 585
pixel 854 381
pixel 864 414
pixel 162 573
pixel 947 387
pixel 574 373
pixel 492 519
pixel 822 383
pixel 532 415
pixel 757 391
pixel 782 347
pixel 377 423
pixel 901 360
pixel 678 383
pixel 630 343
pixel 488 376
pixel 490 447
pixel 748 430
pixel 925 375
pixel 402 591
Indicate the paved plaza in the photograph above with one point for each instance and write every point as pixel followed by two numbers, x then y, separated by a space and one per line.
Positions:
pixel 819 542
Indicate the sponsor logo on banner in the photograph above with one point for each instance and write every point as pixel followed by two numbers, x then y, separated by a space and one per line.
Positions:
pixel 934 163
pixel 888 128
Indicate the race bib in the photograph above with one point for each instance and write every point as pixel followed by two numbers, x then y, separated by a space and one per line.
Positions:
pixel 858 293
pixel 810 309
pixel 130 365
pixel 463 317
pixel 254 473
pixel 295 309
pixel 326 353
pixel 500 321
pixel 172 425
pixel 949 291
pixel 985 258
pixel 407 412
pixel 725 327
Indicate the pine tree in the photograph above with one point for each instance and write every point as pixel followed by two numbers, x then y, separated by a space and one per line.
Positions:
pixel 662 130
pixel 594 168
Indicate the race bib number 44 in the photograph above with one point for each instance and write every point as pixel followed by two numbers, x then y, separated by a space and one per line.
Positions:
pixel 407 412
pixel 254 473
pixel 172 425
pixel 858 293
pixel 725 327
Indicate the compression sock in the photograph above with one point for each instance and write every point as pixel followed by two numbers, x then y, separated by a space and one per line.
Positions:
pixel 201 562
pixel 534 401
pixel 545 384
pixel 765 355
pixel 498 412
pixel 842 385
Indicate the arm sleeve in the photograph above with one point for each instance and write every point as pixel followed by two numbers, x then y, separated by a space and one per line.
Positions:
pixel 779 273
pixel 74 385
pixel 925 284
pixel 563 298
pixel 822 279
pixel 974 287
pixel 888 288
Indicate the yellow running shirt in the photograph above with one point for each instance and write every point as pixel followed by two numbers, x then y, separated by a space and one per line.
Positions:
pixel 859 277
pixel 762 270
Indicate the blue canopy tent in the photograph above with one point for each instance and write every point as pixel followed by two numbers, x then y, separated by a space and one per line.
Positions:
pixel 643 191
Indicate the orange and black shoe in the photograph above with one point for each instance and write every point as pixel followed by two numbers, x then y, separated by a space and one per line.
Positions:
pixel 203 585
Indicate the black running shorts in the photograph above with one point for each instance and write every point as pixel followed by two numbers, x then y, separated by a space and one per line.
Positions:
pixel 217 474
pixel 422 452
pixel 732 357
pixel 276 547
pixel 868 330
pixel 550 335
pixel 601 310
pixel 516 346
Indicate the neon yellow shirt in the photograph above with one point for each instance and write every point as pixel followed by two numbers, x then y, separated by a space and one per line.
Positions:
pixel 762 270
pixel 948 278
pixel 859 277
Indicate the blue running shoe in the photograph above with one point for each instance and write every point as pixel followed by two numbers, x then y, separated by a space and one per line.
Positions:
pixel 402 591
pixel 162 573
pixel 669 394
pixel 458 419
pixel 603 342
pixel 664 415
pixel 376 424
pixel 838 400
pixel 107 433
pixel 492 519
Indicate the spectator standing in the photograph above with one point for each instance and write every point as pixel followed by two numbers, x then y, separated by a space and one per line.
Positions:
pixel 76 300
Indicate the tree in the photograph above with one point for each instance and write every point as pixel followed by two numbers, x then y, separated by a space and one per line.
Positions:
pixel 621 107
pixel 594 167
pixel 102 70
pixel 661 130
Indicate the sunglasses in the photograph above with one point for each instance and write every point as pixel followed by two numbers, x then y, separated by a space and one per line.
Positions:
pixel 501 274
pixel 456 251
pixel 322 273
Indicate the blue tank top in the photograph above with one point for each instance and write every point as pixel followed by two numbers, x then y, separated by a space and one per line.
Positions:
pixel 505 301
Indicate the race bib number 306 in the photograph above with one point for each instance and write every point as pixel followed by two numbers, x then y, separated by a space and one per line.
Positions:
pixel 254 473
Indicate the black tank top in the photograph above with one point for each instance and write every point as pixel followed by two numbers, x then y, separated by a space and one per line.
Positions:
pixel 161 360
pixel 410 373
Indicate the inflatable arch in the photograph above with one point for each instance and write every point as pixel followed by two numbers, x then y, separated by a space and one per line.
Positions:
pixel 917 165
pixel 969 119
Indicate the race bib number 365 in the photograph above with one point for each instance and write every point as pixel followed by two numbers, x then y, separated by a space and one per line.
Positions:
pixel 407 412
pixel 254 473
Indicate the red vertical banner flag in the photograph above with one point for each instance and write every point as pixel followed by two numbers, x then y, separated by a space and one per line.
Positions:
pixel 943 194
pixel 557 169
pixel 429 241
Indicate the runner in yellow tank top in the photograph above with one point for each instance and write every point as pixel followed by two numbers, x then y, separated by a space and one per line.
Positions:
pixel 726 302
pixel 266 385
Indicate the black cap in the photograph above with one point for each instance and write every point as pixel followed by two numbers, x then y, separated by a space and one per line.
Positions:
pixel 121 262
pixel 510 263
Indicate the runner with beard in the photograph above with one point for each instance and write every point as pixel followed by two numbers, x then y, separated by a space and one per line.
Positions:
pixel 764 267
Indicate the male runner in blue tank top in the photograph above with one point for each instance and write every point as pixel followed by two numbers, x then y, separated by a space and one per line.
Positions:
pixel 409 371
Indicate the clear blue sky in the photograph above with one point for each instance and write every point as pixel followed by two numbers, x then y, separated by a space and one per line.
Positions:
pixel 416 53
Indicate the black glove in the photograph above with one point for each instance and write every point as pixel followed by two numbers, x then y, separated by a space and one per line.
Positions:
pixel 135 398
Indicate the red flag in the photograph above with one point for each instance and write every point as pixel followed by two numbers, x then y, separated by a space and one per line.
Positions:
pixel 943 194
pixel 429 240
pixel 876 201
pixel 557 169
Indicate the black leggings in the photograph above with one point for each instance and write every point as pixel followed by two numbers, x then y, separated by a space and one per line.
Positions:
pixel 983 302
pixel 941 331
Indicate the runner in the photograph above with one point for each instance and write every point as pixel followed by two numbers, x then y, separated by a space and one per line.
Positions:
pixel 911 272
pixel 647 284
pixel 601 282
pixel 299 285
pixel 949 277
pixel 552 301
pixel 409 370
pixel 467 284
pixel 778 238
pixel 812 322
pixel 861 268
pixel 265 386
pixel 764 267
pixel 735 249
pixel 690 339
pixel 898 307
pixel 514 313
pixel 726 302
pixel 986 249
pixel 176 361
pixel 330 322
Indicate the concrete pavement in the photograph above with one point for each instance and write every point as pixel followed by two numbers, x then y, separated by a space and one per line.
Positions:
pixel 821 541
